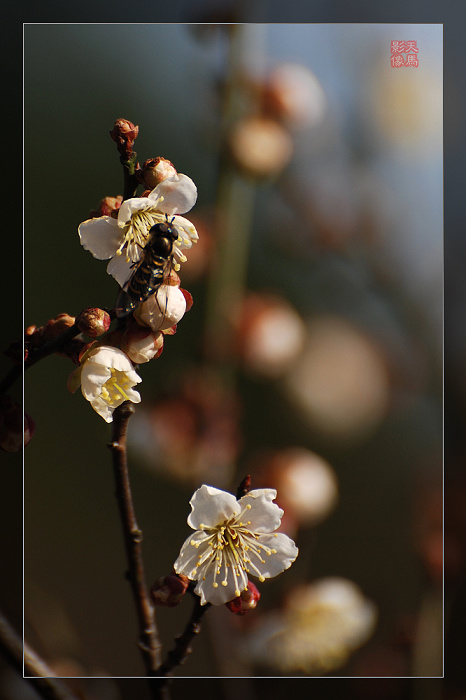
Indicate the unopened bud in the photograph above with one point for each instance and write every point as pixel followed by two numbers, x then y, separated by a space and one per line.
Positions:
pixel 140 343
pixel 93 322
pixel 108 206
pixel 124 130
pixel 155 170
pixel 168 591
pixel 246 601
pixel 16 426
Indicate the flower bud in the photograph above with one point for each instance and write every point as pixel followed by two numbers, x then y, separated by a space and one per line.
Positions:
pixel 141 344
pixel 155 170
pixel 246 601
pixel 93 322
pixel 168 591
pixel 163 309
pixel 124 131
pixel 107 207
pixel 16 426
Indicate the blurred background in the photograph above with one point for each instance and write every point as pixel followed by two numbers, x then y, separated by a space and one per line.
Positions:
pixel 311 359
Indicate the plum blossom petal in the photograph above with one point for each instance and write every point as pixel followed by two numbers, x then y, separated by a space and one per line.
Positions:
pixel 100 236
pixel 120 268
pixel 228 546
pixel 211 506
pixel 174 195
pixel 264 515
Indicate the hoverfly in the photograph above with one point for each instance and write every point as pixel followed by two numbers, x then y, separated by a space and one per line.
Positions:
pixel 150 271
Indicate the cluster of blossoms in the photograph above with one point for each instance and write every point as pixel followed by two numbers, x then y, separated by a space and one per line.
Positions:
pixel 106 372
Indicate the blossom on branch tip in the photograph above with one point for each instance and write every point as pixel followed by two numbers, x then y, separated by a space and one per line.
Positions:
pixel 233 539
pixel 123 239
pixel 106 377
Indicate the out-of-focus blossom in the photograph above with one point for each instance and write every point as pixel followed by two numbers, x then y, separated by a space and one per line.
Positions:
pixel 16 426
pixel 163 309
pixel 321 625
pixel 192 435
pixel 123 239
pixel 293 94
pixel 340 381
pixel 408 105
pixel 270 334
pixel 107 378
pixel 232 540
pixel 307 485
pixel 200 256
pixel 260 146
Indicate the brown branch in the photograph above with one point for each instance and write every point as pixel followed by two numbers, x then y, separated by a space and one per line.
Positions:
pixel 180 653
pixel 149 642
pixel 36 672
pixel 34 356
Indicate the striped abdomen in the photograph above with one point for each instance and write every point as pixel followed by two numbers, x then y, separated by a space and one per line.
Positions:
pixel 150 271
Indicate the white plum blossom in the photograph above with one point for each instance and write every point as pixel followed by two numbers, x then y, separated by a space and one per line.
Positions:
pixel 233 540
pixel 123 239
pixel 107 378
pixel 163 309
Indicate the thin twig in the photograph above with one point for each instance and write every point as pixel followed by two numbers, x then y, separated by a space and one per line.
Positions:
pixel 180 653
pixel 149 640
pixel 36 672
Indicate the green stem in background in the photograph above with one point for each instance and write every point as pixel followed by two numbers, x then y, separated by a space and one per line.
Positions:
pixel 149 642
pixel 235 205
pixel 36 672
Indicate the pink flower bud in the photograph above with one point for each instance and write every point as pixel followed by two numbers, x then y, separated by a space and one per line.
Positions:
pixel 246 601
pixel 107 207
pixel 141 344
pixel 16 426
pixel 155 170
pixel 93 322
pixel 124 130
pixel 168 591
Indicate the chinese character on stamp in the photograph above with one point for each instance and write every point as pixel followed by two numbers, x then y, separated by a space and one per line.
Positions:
pixel 409 48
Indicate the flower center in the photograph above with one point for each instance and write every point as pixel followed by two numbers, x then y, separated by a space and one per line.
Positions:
pixel 137 232
pixel 232 548
pixel 113 391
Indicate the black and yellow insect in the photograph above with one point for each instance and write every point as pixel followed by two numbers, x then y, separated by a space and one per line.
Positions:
pixel 150 271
